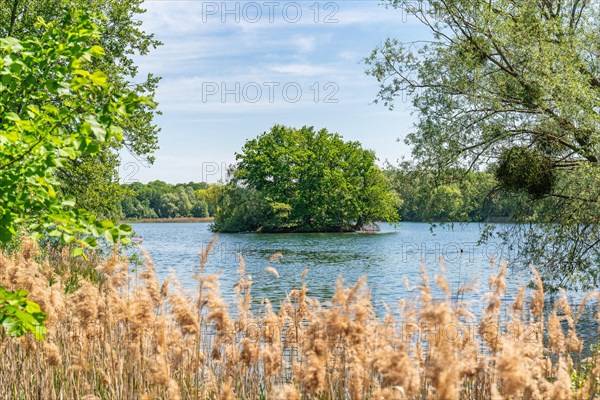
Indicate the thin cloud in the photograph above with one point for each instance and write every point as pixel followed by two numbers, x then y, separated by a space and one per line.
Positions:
pixel 301 69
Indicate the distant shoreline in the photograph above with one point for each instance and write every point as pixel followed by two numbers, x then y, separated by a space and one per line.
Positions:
pixel 168 220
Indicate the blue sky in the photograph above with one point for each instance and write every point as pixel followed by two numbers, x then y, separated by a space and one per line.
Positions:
pixel 233 69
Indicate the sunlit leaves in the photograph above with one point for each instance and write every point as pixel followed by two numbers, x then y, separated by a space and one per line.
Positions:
pixel 19 315
pixel 37 136
pixel 305 180
pixel 517 85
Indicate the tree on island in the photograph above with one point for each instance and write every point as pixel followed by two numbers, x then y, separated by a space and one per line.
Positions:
pixel 302 180
pixel 516 86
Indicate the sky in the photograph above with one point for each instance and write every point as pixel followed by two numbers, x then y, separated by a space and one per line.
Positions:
pixel 232 69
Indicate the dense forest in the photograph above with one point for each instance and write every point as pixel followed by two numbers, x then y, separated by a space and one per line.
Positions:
pixel 456 195
pixel 158 199
pixel 423 196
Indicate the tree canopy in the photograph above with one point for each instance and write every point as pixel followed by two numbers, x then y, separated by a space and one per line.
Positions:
pixel 54 107
pixel 457 195
pixel 121 36
pixel 515 85
pixel 304 180
pixel 159 199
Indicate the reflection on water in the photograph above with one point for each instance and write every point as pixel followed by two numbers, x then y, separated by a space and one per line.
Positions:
pixel 385 258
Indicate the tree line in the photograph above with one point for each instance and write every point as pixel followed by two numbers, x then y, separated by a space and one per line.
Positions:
pixel 454 195
pixel 158 199
pixel 419 196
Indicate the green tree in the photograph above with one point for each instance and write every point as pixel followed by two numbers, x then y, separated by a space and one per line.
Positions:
pixel 209 195
pixel 305 180
pixel 37 75
pixel 37 137
pixel 92 179
pixel 158 199
pixel 121 37
pixel 515 85
pixel 241 209
pixel 200 209
pixel 452 195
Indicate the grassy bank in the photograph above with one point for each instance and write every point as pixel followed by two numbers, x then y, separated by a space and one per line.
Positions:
pixel 129 336
pixel 168 220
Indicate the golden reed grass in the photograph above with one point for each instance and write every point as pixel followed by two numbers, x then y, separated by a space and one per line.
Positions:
pixel 128 337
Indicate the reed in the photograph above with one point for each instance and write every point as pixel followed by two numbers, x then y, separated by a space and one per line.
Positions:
pixel 128 336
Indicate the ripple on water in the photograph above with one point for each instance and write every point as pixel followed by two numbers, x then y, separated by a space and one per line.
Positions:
pixel 386 259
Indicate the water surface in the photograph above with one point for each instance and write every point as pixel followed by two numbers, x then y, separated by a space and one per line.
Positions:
pixel 388 259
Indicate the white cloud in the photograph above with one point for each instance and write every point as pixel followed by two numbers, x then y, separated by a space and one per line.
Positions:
pixel 305 44
pixel 202 49
pixel 301 69
pixel 351 56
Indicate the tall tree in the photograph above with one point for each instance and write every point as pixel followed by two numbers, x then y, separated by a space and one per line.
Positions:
pixel 121 37
pixel 54 108
pixel 305 180
pixel 516 85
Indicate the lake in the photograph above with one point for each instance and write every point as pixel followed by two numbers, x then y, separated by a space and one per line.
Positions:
pixel 387 259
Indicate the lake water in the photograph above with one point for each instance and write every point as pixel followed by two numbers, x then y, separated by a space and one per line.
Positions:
pixel 388 259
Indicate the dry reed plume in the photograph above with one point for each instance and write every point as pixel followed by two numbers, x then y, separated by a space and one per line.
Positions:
pixel 128 337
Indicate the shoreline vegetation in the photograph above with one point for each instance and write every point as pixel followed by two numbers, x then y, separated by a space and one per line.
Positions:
pixel 117 334
pixel 168 220
pixel 422 200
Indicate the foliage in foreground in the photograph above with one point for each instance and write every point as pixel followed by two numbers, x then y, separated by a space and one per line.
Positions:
pixel 304 180
pixel 131 337
pixel 37 137
pixel 92 179
pixel 54 109
pixel 19 315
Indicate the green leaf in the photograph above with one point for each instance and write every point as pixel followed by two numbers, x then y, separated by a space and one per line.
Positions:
pixel 19 315
pixel 11 135
pixel 125 229
pixel 108 235
pixel 13 327
pixel 76 252
pixel 92 148
pixel 36 236
pixel 69 202
pixel 99 78
pixel 10 44
pixel 107 224
pixel 12 116
pixel 96 51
